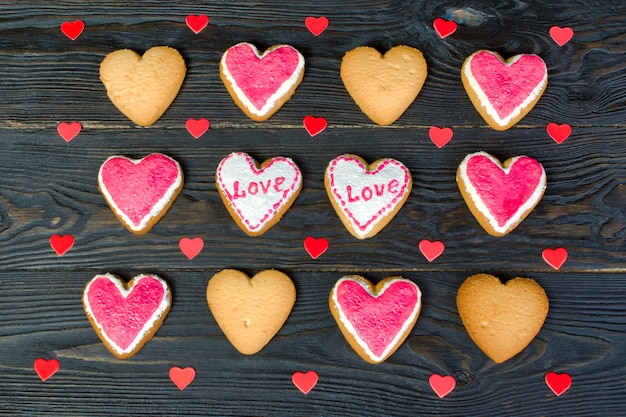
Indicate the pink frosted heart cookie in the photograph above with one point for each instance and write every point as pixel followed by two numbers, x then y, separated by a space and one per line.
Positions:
pixel 140 191
pixel 261 83
pixel 503 92
pixel 366 197
pixel 375 320
pixel 257 196
pixel 499 195
pixel 126 315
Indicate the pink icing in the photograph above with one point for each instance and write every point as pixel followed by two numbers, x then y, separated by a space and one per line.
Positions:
pixel 377 320
pixel 506 86
pixel 137 187
pixel 123 318
pixel 504 193
pixel 260 77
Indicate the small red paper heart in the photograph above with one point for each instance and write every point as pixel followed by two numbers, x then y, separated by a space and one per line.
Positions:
pixel 316 25
pixel 559 132
pixel 555 257
pixel 72 29
pixel 45 368
pixel 442 385
pixel 315 246
pixel 558 383
pixel 305 381
pixel 444 27
pixel 197 127
pixel 197 22
pixel 314 125
pixel 561 35
pixel 431 250
pixel 182 377
pixel 61 244
pixel 440 136
pixel 68 131
pixel 191 247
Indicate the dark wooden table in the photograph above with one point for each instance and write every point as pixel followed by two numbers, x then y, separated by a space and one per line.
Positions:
pixel 49 187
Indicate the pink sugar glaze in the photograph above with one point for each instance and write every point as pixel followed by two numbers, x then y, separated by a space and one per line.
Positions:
pixel 122 319
pixel 503 193
pixel 507 86
pixel 377 320
pixel 137 187
pixel 257 77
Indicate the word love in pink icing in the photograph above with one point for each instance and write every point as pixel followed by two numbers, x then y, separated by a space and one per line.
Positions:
pixel 139 191
pixel 375 319
pixel 126 315
pixel 257 196
pixel 366 197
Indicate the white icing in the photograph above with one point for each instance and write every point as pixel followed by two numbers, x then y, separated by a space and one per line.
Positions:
pixel 284 88
pixel 471 191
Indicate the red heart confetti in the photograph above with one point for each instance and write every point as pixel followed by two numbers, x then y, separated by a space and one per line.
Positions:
pixel 559 132
pixel 191 247
pixel 72 29
pixel 442 385
pixel 197 127
pixel 314 125
pixel 68 131
pixel 182 377
pixel 431 250
pixel 315 246
pixel 305 381
pixel 316 25
pixel 61 244
pixel 197 22
pixel 45 368
pixel 561 35
pixel 440 136
pixel 558 383
pixel 555 257
pixel 444 27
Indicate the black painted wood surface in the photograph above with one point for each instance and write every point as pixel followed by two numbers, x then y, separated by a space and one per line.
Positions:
pixel 49 186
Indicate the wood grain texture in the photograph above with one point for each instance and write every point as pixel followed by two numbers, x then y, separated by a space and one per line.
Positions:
pixel 49 186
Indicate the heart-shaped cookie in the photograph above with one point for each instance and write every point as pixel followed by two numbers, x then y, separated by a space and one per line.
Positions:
pixel 366 197
pixel 143 87
pixel 383 86
pixel 126 315
pixel 499 195
pixel 375 320
pixel 261 83
pixel 502 319
pixel 503 92
pixel 257 196
pixel 140 191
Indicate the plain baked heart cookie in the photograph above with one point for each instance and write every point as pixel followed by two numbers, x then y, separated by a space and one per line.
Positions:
pixel 250 311
pixel 126 315
pixel 143 87
pixel 257 196
pixel 383 86
pixel 366 197
pixel 503 92
pixel 140 191
pixel 261 83
pixel 499 195
pixel 375 320
pixel 502 319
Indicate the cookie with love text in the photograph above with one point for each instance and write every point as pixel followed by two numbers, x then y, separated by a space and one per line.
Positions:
pixel 502 319
pixel 143 87
pixel 126 315
pixel 375 319
pixel 260 83
pixel 366 196
pixel 500 195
